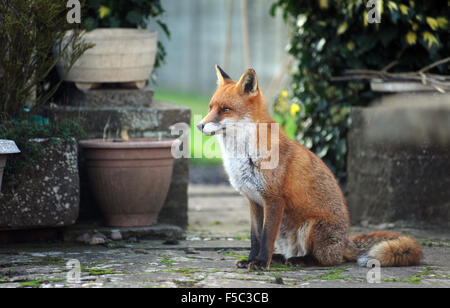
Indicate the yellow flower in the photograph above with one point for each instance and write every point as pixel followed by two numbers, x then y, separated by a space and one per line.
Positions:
pixel 411 38
pixel 392 6
pixel 284 93
pixel 443 22
pixel 412 4
pixel 350 46
pixel 404 9
pixel 414 26
pixel 432 23
pixel 430 39
pixel 342 28
pixel 103 11
pixel 323 4
pixel 294 109
pixel 366 23
pixel 380 7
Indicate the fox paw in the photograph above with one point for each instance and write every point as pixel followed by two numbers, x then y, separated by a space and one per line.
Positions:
pixel 296 262
pixel 278 258
pixel 257 265
pixel 305 261
pixel 242 263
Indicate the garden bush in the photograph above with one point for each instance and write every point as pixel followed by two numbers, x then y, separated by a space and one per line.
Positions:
pixel 29 30
pixel 330 36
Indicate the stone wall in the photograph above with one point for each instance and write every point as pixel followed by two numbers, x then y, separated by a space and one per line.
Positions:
pixel 48 194
pixel 104 113
pixel 399 161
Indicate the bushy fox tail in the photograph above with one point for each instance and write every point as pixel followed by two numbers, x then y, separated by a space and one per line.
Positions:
pixel 390 249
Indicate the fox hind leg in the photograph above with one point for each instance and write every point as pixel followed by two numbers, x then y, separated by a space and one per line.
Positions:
pixel 278 258
pixel 304 261
pixel 328 243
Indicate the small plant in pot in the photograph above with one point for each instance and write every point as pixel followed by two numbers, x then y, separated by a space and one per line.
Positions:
pixel 125 51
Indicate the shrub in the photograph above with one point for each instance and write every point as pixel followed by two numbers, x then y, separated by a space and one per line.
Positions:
pixel 29 30
pixel 330 36
pixel 127 14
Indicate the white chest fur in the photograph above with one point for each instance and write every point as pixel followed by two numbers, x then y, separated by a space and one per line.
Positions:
pixel 244 176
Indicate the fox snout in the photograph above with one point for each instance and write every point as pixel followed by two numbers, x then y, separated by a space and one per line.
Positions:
pixel 210 128
pixel 200 126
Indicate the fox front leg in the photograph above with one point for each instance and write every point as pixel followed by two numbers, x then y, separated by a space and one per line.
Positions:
pixel 257 219
pixel 273 212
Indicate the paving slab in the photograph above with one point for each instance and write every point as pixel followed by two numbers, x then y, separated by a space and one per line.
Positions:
pixel 196 263
pixel 206 258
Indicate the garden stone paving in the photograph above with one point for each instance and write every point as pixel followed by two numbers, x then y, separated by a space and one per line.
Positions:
pixel 217 237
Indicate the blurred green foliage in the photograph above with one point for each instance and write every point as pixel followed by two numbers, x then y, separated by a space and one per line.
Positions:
pixel 330 36
pixel 127 14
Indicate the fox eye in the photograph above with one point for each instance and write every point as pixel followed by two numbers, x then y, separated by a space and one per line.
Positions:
pixel 225 110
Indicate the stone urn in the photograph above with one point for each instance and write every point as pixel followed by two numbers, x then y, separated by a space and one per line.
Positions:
pixel 120 55
pixel 129 179
pixel 7 147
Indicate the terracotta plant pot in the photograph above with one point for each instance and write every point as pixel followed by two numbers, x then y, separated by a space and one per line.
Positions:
pixel 7 147
pixel 129 179
pixel 119 56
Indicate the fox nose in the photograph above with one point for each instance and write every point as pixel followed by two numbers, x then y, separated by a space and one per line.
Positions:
pixel 200 126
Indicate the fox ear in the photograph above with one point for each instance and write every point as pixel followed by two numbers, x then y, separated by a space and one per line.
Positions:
pixel 248 84
pixel 221 76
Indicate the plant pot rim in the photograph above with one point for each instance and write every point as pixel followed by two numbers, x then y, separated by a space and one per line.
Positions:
pixel 8 147
pixel 398 86
pixel 138 143
pixel 107 34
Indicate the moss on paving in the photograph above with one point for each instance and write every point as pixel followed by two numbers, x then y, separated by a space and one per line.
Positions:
pixel 38 282
pixel 166 261
pixel 242 237
pixel 417 279
pixel 332 274
pixel 100 271
pixel 228 253
pixel 36 262
pixel 184 270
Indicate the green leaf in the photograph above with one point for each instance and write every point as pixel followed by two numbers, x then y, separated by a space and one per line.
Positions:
pixel 134 17
pixel 291 127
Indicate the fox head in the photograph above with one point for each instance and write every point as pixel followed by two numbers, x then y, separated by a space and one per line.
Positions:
pixel 234 102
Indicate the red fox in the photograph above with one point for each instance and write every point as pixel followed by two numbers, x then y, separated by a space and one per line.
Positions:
pixel 297 206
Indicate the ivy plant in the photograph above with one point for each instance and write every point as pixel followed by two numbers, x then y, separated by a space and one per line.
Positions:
pixel 330 36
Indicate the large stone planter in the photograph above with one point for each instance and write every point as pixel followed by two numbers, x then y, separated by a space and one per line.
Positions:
pixel 398 162
pixel 119 56
pixel 7 147
pixel 129 179
pixel 48 194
